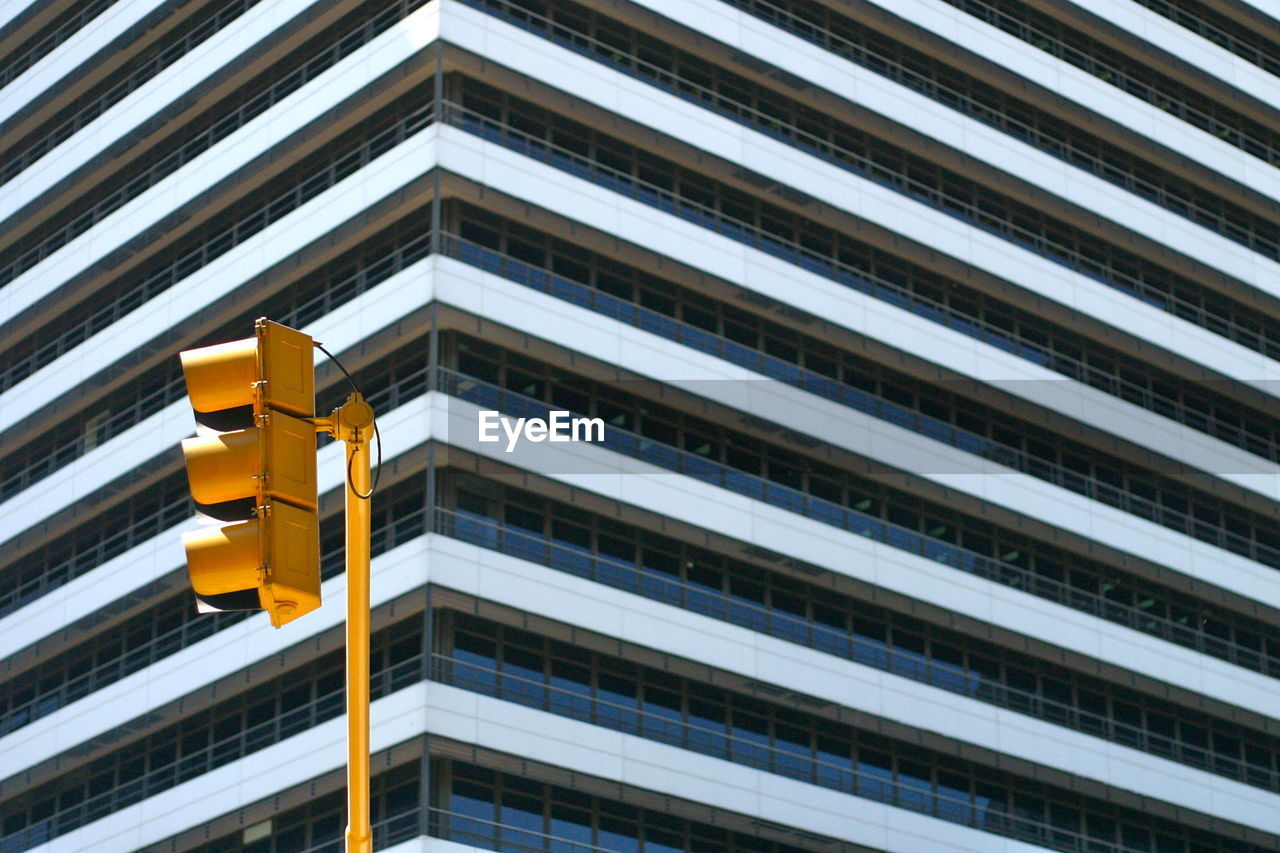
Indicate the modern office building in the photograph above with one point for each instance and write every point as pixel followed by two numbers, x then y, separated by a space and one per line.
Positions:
pixel 935 344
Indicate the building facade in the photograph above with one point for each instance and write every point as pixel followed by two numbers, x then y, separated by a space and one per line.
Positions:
pixel 932 343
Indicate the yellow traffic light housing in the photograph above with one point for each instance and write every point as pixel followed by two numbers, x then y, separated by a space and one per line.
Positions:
pixel 252 466
pixel 227 562
pixel 229 466
pixel 274 368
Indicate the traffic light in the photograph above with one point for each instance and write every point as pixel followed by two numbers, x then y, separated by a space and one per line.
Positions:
pixel 252 469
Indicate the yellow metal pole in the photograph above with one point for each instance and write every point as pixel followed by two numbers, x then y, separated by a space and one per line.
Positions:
pixel 354 420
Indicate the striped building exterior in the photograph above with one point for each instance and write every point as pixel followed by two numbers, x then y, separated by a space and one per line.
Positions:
pixel 934 340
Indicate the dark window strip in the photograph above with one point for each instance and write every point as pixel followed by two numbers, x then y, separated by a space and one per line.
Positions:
pixel 856 151
pixel 871 510
pixel 129 77
pixel 337 283
pixel 130 180
pixel 833 624
pixel 1249 44
pixel 1157 499
pixel 135 520
pixel 521 667
pixel 55 33
pixel 203 741
pixel 498 811
pixel 495 811
pixel 395 814
pixel 1125 73
pixel 1199 406
pixel 162 630
pixel 932 77
pixel 245 218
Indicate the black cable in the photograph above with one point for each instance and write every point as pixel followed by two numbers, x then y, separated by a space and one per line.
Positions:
pixel 334 359
pixel 373 487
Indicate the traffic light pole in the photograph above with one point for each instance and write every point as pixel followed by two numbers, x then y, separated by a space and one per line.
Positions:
pixel 269 559
pixel 352 423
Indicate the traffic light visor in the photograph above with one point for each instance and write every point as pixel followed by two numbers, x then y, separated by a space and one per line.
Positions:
pixel 223 467
pixel 224 559
pixel 221 376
